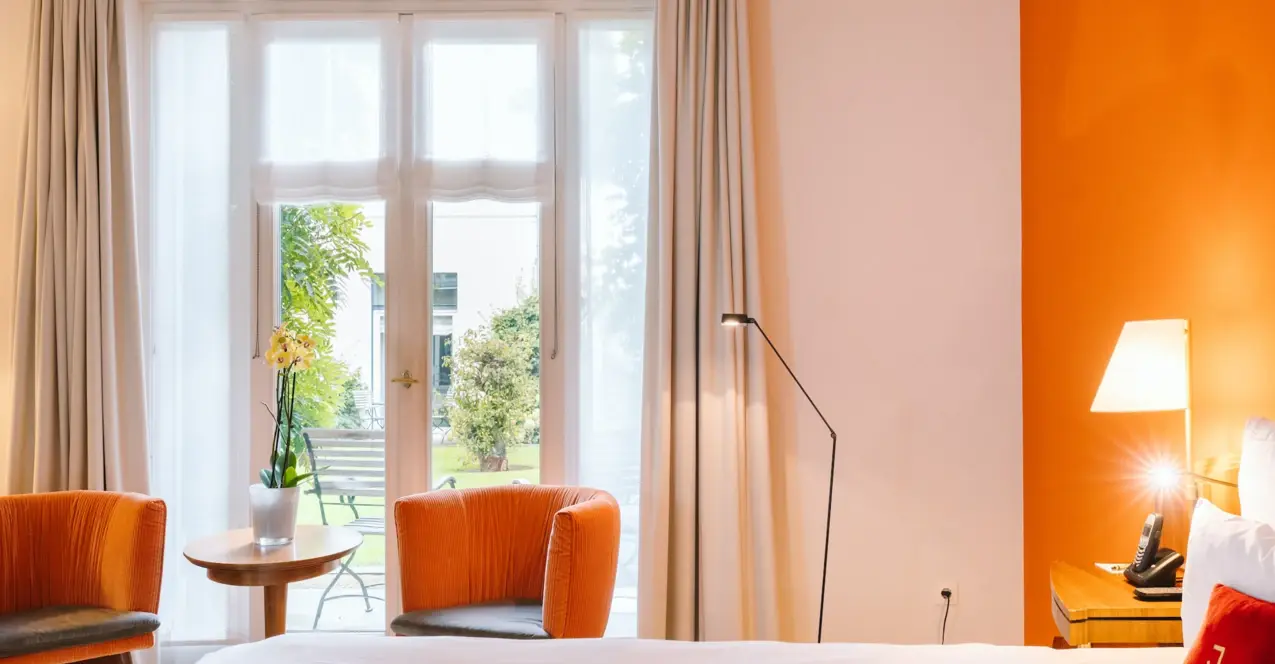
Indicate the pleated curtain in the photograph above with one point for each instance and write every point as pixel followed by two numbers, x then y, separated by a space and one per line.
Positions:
pixel 79 415
pixel 708 546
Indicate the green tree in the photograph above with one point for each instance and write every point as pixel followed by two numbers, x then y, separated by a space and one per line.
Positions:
pixel 320 245
pixel 519 326
pixel 494 396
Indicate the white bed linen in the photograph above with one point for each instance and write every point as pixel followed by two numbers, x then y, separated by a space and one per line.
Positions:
pixel 356 649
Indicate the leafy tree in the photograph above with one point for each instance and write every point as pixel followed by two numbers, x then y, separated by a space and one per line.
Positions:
pixel 494 395
pixel 520 327
pixel 320 245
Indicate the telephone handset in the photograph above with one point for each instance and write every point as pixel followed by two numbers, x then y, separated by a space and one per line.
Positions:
pixel 1149 543
pixel 1153 567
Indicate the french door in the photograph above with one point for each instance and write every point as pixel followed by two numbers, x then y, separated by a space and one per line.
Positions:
pixel 454 206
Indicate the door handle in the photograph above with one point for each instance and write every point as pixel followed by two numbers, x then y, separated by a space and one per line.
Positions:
pixel 405 380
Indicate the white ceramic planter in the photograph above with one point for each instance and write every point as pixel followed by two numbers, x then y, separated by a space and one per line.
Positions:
pixel 274 514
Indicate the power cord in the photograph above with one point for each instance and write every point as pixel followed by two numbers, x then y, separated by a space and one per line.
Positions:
pixel 947 606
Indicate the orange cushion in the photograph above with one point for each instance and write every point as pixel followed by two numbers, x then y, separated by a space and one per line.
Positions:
pixel 1237 627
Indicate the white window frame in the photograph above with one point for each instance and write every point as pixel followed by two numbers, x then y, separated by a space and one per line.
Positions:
pixel 252 220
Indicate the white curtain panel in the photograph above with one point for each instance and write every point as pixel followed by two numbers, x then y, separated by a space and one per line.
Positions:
pixel 708 545
pixel 79 418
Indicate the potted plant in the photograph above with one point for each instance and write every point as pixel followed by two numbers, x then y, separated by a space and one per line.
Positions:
pixel 274 500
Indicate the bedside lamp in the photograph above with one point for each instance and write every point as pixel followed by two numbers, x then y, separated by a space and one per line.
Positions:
pixel 1150 370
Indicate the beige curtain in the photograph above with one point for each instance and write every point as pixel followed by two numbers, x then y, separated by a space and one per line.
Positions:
pixel 79 419
pixel 708 542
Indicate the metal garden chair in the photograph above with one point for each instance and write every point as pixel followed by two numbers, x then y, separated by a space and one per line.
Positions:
pixel 349 464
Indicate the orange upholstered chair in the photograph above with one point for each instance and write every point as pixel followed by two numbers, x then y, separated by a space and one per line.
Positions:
pixel 79 575
pixel 515 561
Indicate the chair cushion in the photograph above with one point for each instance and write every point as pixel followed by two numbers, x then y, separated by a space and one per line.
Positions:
pixel 498 620
pixel 56 627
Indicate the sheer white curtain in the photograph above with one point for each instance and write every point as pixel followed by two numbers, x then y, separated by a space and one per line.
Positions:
pixel 484 110
pixel 327 123
pixel 198 345
pixel 611 167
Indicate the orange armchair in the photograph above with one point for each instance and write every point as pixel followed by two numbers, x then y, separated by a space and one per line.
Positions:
pixel 514 561
pixel 79 575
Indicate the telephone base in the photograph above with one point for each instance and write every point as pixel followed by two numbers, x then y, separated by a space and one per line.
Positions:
pixel 1162 573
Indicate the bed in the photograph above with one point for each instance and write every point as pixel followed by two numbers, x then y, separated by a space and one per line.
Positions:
pixel 354 649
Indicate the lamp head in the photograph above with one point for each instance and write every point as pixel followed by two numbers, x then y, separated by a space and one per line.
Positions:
pixel 736 320
pixel 1148 369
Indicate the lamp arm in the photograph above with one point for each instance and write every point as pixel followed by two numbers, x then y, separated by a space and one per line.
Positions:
pixel 794 378
pixel 832 476
pixel 1210 480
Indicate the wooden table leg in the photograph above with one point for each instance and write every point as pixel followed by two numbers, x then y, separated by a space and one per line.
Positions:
pixel 276 609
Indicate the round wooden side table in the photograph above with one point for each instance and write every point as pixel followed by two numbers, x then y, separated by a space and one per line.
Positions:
pixel 233 559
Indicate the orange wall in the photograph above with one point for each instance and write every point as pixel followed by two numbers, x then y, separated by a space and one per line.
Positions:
pixel 1148 192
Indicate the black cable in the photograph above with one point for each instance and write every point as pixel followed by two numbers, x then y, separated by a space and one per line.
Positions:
pixel 947 599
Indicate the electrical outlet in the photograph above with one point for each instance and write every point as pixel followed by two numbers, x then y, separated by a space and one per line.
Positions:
pixel 942 601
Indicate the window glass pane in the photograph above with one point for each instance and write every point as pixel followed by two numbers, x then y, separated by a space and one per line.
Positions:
pixel 323 99
pixel 614 168
pixel 191 378
pixel 332 256
pixel 445 291
pixel 487 344
pixel 484 98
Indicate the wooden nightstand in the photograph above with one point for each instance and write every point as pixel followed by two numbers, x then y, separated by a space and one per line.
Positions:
pixel 1094 608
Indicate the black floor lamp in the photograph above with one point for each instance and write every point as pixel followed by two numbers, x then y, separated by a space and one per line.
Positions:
pixel 740 320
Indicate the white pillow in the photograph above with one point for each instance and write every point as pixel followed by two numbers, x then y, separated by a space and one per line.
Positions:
pixel 1257 471
pixel 1227 549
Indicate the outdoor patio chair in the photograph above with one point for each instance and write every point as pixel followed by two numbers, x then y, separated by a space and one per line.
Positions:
pixel 371 413
pixel 349 464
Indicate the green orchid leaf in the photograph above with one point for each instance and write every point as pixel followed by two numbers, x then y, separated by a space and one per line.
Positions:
pixel 265 477
pixel 298 479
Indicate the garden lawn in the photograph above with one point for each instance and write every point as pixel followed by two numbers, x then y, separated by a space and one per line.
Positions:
pixel 524 463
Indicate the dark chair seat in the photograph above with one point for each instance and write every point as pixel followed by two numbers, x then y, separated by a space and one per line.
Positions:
pixel 55 627
pixel 498 620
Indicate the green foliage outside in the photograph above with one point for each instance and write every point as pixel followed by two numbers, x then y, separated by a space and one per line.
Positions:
pixel 347 414
pixel 520 326
pixel 495 384
pixel 320 245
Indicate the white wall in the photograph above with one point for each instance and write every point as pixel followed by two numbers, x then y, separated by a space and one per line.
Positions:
pixel 888 156
pixel 14 39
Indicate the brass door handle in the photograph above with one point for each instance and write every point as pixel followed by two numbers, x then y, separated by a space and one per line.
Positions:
pixel 405 380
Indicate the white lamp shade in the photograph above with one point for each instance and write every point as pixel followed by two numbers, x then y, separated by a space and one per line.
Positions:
pixel 1148 369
